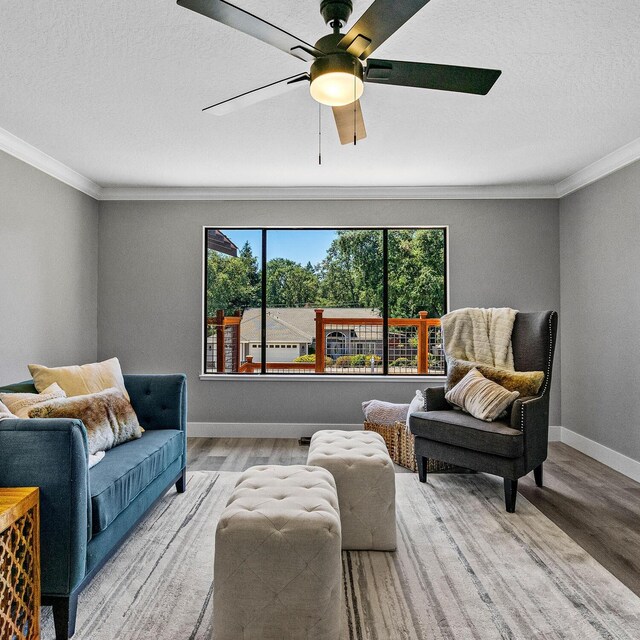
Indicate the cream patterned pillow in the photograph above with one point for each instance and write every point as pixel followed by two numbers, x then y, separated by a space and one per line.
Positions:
pixel 480 397
pixel 5 414
pixel 527 383
pixel 80 380
pixel 21 403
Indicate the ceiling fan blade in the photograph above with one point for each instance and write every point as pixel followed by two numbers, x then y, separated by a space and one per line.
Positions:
pixel 350 122
pixel 257 95
pixel 242 20
pixel 431 76
pixel 381 20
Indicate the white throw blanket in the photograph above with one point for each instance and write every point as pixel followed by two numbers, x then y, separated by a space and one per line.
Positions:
pixel 480 335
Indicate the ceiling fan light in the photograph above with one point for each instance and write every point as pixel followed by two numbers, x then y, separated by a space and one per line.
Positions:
pixel 337 89
pixel 336 80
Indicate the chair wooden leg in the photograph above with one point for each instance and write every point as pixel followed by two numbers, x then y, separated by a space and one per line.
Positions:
pixel 181 485
pixel 537 474
pixel 422 467
pixel 64 615
pixel 510 494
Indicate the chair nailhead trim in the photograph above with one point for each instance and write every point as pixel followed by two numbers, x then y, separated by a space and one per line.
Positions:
pixel 546 379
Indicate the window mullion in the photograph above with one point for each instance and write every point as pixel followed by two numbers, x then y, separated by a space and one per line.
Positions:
pixel 385 302
pixel 263 320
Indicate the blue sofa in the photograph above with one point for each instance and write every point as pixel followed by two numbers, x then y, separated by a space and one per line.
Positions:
pixel 87 513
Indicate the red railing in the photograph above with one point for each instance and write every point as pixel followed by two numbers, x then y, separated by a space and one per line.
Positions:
pixel 294 367
pixel 415 346
pixel 226 330
pixel 423 330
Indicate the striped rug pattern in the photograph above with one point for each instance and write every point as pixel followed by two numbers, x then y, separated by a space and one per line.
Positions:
pixel 464 569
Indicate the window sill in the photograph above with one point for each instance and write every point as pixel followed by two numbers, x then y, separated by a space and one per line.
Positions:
pixel 306 377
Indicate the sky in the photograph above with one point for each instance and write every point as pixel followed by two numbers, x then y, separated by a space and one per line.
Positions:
pixel 301 246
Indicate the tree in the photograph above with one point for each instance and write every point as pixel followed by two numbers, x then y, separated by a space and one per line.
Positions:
pixel 349 276
pixel 351 273
pixel 232 282
pixel 289 284
pixel 416 272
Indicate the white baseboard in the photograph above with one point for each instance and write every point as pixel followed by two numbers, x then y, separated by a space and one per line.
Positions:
pixel 261 429
pixel 613 459
pixel 555 434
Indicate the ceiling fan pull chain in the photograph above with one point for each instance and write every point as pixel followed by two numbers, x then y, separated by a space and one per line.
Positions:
pixel 319 134
pixel 355 97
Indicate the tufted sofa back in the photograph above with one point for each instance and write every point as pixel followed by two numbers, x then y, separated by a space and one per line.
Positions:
pixel 160 401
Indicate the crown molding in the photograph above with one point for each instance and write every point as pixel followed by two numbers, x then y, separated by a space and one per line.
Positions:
pixel 22 150
pixel 607 165
pixel 599 169
pixel 330 193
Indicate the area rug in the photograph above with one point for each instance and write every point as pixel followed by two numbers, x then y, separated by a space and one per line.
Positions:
pixel 464 569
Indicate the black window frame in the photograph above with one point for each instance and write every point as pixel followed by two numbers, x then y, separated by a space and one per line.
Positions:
pixel 263 268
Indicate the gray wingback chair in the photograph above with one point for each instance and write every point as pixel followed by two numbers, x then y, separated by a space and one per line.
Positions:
pixel 508 448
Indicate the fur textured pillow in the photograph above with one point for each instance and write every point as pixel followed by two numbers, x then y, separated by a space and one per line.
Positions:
pixel 526 383
pixel 21 403
pixel 107 415
pixel 480 397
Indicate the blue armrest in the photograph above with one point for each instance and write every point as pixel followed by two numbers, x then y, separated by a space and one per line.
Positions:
pixel 52 454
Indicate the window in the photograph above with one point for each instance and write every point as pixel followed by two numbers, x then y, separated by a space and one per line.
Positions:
pixel 320 301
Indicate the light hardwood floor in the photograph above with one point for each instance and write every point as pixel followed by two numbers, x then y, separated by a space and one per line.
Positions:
pixel 596 506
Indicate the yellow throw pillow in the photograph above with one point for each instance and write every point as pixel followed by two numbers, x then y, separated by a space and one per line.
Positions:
pixel 80 380
pixel 21 403
pixel 527 383
pixel 480 397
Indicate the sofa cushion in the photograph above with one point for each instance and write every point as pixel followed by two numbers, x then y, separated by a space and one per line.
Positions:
pixel 127 470
pixel 462 430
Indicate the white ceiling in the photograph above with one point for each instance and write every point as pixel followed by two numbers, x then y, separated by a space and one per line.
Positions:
pixel 114 90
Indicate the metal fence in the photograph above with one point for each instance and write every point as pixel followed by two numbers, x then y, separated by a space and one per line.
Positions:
pixel 351 346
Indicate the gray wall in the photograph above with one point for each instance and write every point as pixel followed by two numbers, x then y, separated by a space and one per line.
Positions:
pixel 48 271
pixel 502 253
pixel 600 292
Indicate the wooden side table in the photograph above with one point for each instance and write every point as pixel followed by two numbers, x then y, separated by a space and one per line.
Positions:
pixel 19 563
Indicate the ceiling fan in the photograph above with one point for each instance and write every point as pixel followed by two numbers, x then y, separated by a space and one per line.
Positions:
pixel 340 63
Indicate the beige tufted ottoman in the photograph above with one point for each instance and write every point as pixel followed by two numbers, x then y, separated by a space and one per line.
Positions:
pixel 365 479
pixel 277 569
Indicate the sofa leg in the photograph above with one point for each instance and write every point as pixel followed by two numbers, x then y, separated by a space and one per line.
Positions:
pixel 422 467
pixel 510 494
pixel 181 484
pixel 64 615
pixel 537 474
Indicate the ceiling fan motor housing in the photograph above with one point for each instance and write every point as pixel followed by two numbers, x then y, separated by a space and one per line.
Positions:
pixel 339 62
pixel 336 13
